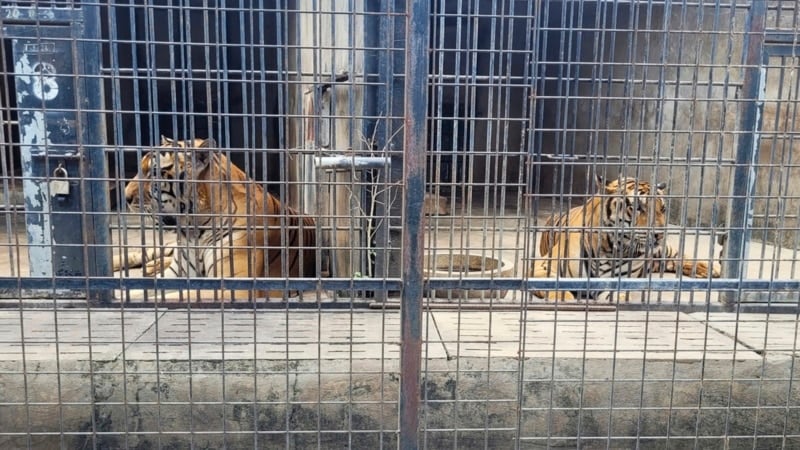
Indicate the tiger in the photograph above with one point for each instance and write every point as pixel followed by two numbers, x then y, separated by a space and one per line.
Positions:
pixel 227 225
pixel 618 232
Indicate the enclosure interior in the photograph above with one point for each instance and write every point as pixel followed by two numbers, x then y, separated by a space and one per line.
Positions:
pixel 527 104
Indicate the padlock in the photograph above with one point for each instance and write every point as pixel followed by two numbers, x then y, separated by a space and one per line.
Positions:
pixel 59 185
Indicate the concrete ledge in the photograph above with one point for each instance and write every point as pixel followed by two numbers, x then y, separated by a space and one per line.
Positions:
pixel 143 379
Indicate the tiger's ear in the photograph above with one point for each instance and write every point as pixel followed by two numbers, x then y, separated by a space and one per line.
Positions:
pixel 600 182
pixel 207 143
pixel 203 154
pixel 605 187
pixel 166 141
pixel 661 186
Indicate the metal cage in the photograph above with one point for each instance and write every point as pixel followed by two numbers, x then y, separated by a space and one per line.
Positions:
pixel 303 223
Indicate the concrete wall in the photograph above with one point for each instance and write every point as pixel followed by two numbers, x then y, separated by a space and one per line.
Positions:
pixel 478 84
pixel 777 202
pixel 558 399
pixel 655 90
pixel 613 80
pixel 665 86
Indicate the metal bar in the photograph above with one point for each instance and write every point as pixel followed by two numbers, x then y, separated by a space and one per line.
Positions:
pixel 287 306
pixel 414 141
pixel 740 214
pixel 783 36
pixel 667 284
pixel 371 126
pixel 93 140
pixel 754 308
pixel 352 162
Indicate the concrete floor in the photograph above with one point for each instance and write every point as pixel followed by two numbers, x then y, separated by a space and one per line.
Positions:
pixel 136 334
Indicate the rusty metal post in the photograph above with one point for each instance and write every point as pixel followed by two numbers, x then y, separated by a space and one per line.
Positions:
pixel 416 106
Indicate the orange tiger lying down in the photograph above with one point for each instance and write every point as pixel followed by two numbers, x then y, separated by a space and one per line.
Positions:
pixel 620 232
pixel 227 225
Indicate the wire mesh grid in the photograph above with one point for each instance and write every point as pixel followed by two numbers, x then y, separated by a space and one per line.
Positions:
pixel 229 195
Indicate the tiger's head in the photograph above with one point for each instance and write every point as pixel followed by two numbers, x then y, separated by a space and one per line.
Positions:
pixel 635 211
pixel 160 187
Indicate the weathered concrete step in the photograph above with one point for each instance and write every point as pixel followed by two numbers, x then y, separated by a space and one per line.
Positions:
pixel 145 379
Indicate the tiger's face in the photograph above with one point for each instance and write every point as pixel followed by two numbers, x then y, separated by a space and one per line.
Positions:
pixel 636 211
pixel 159 186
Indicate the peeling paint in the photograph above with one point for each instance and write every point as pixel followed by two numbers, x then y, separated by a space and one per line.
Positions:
pixel 39 232
pixel 33 129
pixel 40 249
pixel 40 79
pixel 33 134
pixel 21 68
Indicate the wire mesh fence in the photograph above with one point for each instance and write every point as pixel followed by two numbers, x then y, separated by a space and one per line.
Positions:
pixel 468 224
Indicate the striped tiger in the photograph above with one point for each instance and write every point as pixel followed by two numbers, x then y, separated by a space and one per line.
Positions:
pixel 227 225
pixel 619 232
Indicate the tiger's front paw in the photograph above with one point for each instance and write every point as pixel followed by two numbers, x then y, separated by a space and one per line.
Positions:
pixel 716 269
pixel 609 296
pixel 555 295
pixel 156 267
pixel 700 270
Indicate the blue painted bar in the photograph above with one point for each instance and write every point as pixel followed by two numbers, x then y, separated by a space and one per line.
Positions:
pixel 667 284
pixel 92 141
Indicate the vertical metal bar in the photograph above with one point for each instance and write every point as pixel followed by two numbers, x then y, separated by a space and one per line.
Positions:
pixel 415 101
pixel 529 208
pixel 740 213
pixel 371 124
pixel 93 138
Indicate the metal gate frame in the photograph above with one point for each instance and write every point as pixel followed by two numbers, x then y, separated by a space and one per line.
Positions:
pixel 51 45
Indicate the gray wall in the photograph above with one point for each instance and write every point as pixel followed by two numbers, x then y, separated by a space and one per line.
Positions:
pixel 660 97
pixel 777 200
pixel 660 86
pixel 608 80
pixel 676 101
